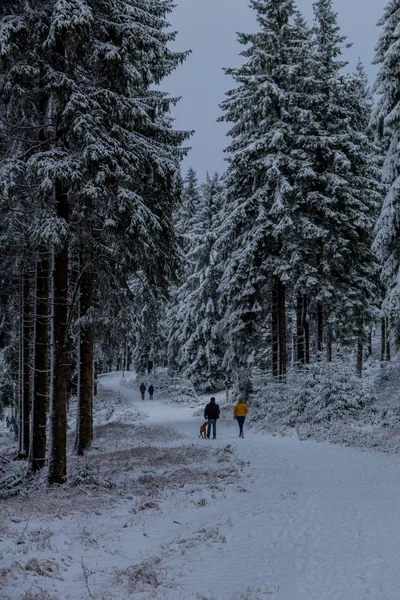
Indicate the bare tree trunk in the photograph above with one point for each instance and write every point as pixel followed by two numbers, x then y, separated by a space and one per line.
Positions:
pixel 383 339
pixel 282 329
pixel 303 330
pixel 370 343
pixel 306 330
pixel 58 412
pixel 320 327
pixel 85 386
pixel 300 337
pixel 95 375
pixel 26 402
pixel 387 329
pixel 293 339
pixel 21 371
pixel 274 330
pixel 329 343
pixel 359 357
pixel 41 374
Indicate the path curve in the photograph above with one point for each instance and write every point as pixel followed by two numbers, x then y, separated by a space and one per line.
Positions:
pixel 315 521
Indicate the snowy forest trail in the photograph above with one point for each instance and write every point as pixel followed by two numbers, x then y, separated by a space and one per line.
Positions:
pixel 152 512
pixel 307 521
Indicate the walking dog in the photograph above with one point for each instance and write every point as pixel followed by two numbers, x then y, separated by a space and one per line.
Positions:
pixel 203 431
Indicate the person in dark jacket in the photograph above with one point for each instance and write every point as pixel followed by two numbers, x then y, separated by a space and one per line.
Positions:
pixel 142 390
pixel 211 413
pixel 151 391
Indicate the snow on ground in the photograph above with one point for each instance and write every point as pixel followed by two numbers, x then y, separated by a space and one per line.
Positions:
pixel 154 512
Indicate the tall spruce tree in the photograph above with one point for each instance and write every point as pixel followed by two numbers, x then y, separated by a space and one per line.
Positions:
pixel 387 240
pixel 108 169
pixel 362 279
pixel 339 190
pixel 189 205
pixel 261 180
pixel 194 318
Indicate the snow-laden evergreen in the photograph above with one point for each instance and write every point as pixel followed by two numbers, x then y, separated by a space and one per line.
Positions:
pixel 195 344
pixel 261 180
pixel 302 186
pixel 387 241
pixel 117 152
pixel 90 154
pixel 189 206
pixel 343 188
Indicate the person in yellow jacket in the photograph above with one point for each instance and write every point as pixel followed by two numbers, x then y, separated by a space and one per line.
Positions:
pixel 239 413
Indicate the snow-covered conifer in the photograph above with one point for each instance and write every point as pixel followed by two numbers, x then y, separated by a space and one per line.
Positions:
pixel 340 189
pixel 189 205
pixel 261 180
pixel 387 240
pixel 107 167
pixel 194 339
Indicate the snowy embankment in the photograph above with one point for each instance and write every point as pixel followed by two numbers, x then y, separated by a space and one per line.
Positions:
pixel 153 512
pixel 328 402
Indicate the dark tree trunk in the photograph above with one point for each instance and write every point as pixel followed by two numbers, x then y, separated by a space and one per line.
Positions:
pixel 303 330
pixel 58 416
pixel 320 328
pixel 41 375
pixel 20 414
pixel 95 375
pixel 275 330
pixel 26 402
pixel 85 389
pixel 387 329
pixel 282 329
pixel 383 339
pixel 329 343
pixel 370 343
pixel 300 333
pixel 359 357
pixel 306 331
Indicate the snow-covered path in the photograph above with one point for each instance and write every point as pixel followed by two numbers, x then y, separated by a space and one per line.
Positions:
pixel 152 512
pixel 308 522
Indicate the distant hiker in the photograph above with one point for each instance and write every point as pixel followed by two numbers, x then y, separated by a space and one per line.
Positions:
pixel 211 412
pixel 151 391
pixel 142 390
pixel 239 413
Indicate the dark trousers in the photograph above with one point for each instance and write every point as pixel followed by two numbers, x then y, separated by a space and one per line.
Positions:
pixel 212 422
pixel 240 421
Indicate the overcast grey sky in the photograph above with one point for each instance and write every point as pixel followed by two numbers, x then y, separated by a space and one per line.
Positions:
pixel 208 28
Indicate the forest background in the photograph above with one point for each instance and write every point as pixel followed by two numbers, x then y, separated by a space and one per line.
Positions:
pixel 272 279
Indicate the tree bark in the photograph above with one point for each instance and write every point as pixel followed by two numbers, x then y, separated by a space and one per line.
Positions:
pixel 303 330
pixel 300 333
pixel 41 374
pixel 383 339
pixel 274 330
pixel 95 374
pixel 58 413
pixel 306 331
pixel 370 343
pixel 282 329
pixel 387 329
pixel 329 343
pixel 21 370
pixel 320 327
pixel 359 357
pixel 26 401
pixel 85 385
